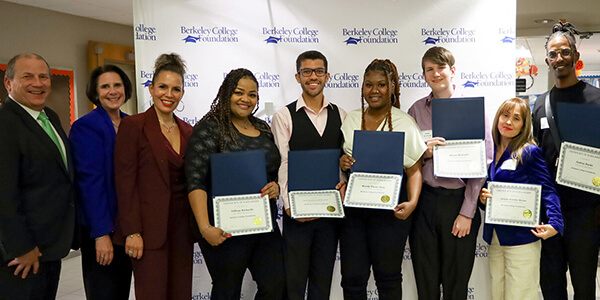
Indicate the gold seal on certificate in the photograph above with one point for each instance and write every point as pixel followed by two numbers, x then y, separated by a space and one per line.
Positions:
pixel 514 204
pixel 316 204
pixel 243 214
pixel 385 198
pixel 576 165
pixel 373 190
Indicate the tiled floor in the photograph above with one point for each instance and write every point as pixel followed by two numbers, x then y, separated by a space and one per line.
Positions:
pixel 71 282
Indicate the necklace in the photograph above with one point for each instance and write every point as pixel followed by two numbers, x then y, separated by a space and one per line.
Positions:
pixel 167 127
pixel 118 120
pixel 378 120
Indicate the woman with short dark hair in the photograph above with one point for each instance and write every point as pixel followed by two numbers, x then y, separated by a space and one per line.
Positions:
pixel 106 268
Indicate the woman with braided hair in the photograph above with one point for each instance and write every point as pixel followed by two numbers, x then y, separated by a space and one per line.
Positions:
pixel 371 237
pixel 231 126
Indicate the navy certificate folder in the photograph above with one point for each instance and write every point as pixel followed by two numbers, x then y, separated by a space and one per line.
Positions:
pixel 313 169
pixel 579 123
pixel 238 173
pixel 458 118
pixel 378 152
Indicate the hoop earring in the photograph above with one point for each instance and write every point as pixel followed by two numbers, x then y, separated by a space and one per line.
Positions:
pixel 182 105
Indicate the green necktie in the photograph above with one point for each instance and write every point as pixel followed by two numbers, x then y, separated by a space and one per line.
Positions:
pixel 48 129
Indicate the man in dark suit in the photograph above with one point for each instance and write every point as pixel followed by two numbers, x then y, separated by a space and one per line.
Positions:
pixel 37 196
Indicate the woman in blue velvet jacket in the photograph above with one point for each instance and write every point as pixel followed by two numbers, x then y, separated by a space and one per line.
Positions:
pixel 106 267
pixel 514 252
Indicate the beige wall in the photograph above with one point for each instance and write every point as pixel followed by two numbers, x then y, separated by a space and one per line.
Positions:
pixel 61 39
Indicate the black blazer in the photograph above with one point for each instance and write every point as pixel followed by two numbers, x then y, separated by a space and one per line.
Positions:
pixel 37 193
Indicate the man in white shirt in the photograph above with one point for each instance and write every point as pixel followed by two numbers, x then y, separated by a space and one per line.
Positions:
pixel 311 122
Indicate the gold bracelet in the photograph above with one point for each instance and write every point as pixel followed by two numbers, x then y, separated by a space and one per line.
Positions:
pixel 203 230
pixel 134 235
pixel 100 237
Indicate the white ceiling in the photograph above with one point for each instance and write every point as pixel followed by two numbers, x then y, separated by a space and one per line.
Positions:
pixel 585 14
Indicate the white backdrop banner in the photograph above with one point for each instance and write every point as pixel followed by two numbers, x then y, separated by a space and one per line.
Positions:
pixel 266 36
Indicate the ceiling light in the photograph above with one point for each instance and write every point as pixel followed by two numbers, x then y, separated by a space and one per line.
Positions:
pixel 543 21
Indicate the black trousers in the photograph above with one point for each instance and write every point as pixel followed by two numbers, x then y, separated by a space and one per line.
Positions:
pixel 310 249
pixel 261 253
pixel 104 282
pixel 372 238
pixel 40 286
pixel 578 249
pixel 438 256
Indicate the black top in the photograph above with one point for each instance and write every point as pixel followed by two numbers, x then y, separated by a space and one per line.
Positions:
pixel 579 93
pixel 304 134
pixel 205 140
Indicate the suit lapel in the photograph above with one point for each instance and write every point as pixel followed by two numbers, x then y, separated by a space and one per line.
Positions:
pixel 497 167
pixel 40 134
pixel 157 142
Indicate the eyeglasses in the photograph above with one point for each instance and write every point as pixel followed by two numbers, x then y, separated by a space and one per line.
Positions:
pixel 564 52
pixel 320 72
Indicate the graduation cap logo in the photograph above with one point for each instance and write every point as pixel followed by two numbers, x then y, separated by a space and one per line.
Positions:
pixel 431 41
pixel 352 41
pixel 147 83
pixel 272 40
pixel 470 84
pixel 508 39
pixel 191 39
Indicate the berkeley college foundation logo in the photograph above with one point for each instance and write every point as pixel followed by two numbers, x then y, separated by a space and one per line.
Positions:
pixel 412 80
pixel 489 79
pixel 442 35
pixel 343 81
pixel 506 35
pixel 191 80
pixel 146 78
pixel 355 36
pixel 217 34
pixel 145 33
pixel 297 35
pixel 267 80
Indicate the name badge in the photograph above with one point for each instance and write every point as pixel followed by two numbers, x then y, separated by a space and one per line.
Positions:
pixel 544 123
pixel 509 164
pixel 426 134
